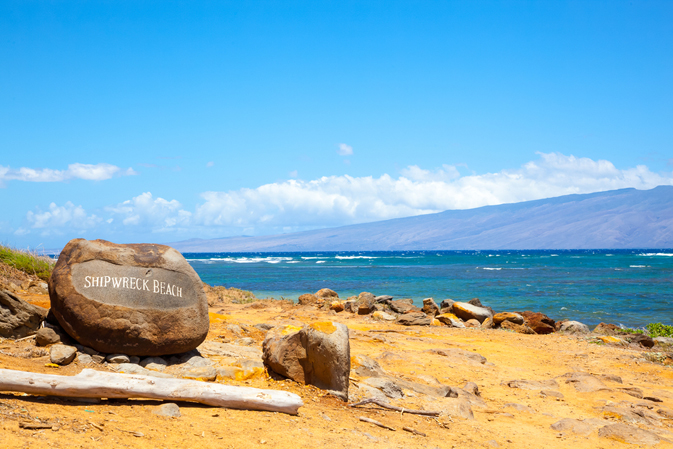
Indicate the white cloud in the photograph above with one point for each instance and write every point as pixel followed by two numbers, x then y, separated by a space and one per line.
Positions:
pixel 210 164
pixel 90 172
pixel 344 150
pixel 339 200
pixel 58 217
pixel 157 214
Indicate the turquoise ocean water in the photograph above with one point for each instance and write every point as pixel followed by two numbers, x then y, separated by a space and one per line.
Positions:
pixel 629 287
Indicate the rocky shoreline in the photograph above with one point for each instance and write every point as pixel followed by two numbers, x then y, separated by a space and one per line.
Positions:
pixel 495 379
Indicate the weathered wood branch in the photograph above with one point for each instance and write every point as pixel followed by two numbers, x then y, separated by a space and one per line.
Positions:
pixel 97 384
pixel 397 409
pixel 376 423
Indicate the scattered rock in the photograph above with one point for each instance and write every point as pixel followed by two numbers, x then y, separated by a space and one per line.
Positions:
pixel 518 328
pixel 327 294
pixel 171 410
pixel 607 329
pixel 350 306
pixel 533 384
pixel 365 309
pixel 210 347
pixel 207 373
pixel 308 299
pixel 450 320
pixel 386 386
pixel 628 434
pixel 403 306
pixel 632 391
pixel 365 366
pixel 264 327
pixel 154 363
pixel 47 336
pixel 610 339
pixel 472 323
pixel 458 355
pixel 453 407
pixel 383 298
pixel 337 306
pixel 487 324
pixel 117 358
pixel 18 318
pixel 663 341
pixel 515 318
pixel 642 340
pixel 467 311
pixel 246 341
pixel 378 315
pixel 626 414
pixel 539 322
pixel 131 368
pixel 573 425
pixel 574 327
pixel 429 307
pixel 585 383
pixel 552 393
pixel 447 304
pixel 84 359
pixel 62 354
pixel 97 358
pixel 318 354
pixel 137 299
pixel 414 319
pixel 440 391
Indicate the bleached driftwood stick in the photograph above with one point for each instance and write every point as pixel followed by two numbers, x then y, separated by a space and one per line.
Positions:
pixel 97 384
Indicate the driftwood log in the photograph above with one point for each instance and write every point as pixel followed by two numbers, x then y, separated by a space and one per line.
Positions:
pixel 97 384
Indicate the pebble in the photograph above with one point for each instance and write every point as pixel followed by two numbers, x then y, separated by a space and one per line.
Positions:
pixel 117 358
pixel 170 409
pixel 154 363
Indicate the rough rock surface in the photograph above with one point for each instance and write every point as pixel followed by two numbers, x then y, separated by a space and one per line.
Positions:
pixel 47 336
pixel 430 307
pixel 18 319
pixel 628 434
pixel 326 294
pixel 519 328
pixel 403 306
pixel 450 320
pixel 307 299
pixel 140 299
pixel 466 311
pixel 318 354
pixel 171 410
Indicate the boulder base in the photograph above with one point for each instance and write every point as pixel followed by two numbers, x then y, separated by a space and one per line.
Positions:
pixel 18 318
pixel 140 299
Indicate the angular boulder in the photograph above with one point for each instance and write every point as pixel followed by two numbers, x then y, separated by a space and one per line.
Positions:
pixel 450 320
pixel 430 307
pixel 467 311
pixel 18 318
pixel 307 299
pixel 403 306
pixel 137 299
pixel 318 354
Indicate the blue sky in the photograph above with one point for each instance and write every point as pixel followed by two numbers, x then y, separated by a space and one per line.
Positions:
pixel 161 121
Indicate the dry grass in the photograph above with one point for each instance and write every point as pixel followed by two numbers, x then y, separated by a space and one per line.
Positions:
pixel 219 294
pixel 29 262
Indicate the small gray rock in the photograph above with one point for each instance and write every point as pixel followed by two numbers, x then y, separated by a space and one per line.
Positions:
pixel 264 327
pixel 170 410
pixel 86 350
pixel 84 359
pixel 62 354
pixel 117 358
pixel 198 361
pixel 382 298
pixel 574 327
pixel 131 368
pixel 47 336
pixel 388 387
pixel 97 358
pixel 154 363
pixel 134 359
pixel 235 329
pixel 207 373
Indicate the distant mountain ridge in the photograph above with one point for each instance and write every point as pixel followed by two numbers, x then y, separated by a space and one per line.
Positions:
pixel 626 218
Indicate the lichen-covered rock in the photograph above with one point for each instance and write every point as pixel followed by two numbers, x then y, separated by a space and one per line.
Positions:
pixel 466 311
pixel 307 299
pixel 518 328
pixel 140 299
pixel 318 354
pixel 18 318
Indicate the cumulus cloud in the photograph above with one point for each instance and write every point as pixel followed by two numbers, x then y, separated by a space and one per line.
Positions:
pixel 339 200
pixel 89 172
pixel 156 214
pixel 344 150
pixel 58 218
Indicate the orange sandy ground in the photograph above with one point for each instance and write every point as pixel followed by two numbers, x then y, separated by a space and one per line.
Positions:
pixel 324 421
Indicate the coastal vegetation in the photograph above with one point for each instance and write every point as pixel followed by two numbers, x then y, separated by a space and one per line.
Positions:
pixel 27 261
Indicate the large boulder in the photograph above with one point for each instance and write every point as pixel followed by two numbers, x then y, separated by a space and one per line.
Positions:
pixel 515 318
pixel 137 299
pixel 18 318
pixel 326 294
pixel 539 322
pixel 318 354
pixel 467 311
pixel 574 327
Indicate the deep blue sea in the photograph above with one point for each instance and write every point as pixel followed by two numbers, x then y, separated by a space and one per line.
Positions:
pixel 629 287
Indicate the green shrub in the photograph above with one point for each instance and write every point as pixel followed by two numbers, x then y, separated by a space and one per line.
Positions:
pixel 28 262
pixel 632 331
pixel 659 330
